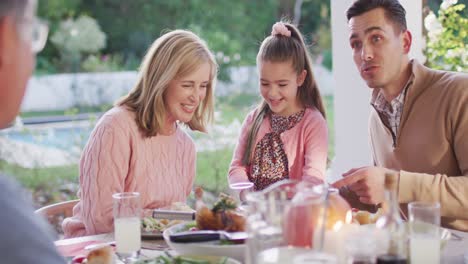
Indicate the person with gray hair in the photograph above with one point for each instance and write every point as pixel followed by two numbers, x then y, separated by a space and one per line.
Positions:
pixel 24 237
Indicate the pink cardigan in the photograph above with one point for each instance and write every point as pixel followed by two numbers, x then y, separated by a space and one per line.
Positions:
pixel 118 159
pixel 306 146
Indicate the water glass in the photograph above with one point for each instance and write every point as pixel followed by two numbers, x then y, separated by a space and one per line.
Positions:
pixel 424 232
pixel 361 245
pixel 264 225
pixel 127 222
pixel 242 189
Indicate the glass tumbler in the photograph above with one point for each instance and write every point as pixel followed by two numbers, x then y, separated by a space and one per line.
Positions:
pixel 424 232
pixel 127 222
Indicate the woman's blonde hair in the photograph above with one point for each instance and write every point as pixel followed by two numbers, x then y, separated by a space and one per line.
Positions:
pixel 280 48
pixel 172 56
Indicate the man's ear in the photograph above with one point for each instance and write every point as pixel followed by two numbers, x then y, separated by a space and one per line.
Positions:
pixel 407 39
pixel 7 38
pixel 301 77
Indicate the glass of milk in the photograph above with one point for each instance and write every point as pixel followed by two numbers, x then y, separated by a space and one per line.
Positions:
pixel 424 232
pixel 127 232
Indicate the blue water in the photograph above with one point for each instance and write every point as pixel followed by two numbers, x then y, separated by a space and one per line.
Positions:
pixel 61 138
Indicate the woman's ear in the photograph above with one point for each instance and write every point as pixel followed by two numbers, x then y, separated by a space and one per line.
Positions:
pixel 301 77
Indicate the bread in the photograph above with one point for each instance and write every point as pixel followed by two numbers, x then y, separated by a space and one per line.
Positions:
pixel 363 217
pixel 102 255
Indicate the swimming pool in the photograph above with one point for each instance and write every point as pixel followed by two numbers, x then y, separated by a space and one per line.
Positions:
pixel 64 138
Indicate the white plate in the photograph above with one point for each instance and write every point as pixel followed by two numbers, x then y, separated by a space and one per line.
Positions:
pixel 210 259
pixel 206 248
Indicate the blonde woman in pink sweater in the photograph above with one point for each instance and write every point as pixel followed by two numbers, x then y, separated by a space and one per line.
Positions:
pixel 286 136
pixel 139 146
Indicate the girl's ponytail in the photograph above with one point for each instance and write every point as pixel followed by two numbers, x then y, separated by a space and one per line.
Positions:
pixel 285 44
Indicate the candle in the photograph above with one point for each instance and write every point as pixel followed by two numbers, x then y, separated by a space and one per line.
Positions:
pixel 335 238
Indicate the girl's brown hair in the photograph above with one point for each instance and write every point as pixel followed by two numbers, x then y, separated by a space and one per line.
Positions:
pixel 172 56
pixel 279 48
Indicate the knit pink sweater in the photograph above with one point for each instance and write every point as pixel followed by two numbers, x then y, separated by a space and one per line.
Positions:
pixel 306 146
pixel 118 159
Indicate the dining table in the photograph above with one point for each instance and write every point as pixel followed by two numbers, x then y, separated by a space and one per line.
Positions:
pixel 454 252
pixel 151 248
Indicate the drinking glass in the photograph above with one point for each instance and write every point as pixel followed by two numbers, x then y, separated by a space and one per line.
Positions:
pixel 361 245
pixel 264 219
pixel 242 189
pixel 424 232
pixel 127 232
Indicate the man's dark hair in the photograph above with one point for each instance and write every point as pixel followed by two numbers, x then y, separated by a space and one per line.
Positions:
pixel 394 11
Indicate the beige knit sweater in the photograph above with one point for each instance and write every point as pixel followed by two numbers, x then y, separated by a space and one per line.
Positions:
pixel 431 147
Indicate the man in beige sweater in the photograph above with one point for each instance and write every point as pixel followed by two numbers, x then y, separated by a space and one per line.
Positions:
pixel 419 121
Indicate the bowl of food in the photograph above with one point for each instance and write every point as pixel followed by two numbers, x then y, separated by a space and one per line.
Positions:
pixel 212 248
pixel 224 216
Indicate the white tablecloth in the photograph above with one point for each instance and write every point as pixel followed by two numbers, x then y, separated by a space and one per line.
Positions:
pixel 453 252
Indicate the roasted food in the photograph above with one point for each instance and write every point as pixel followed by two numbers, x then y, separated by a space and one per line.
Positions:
pixel 223 216
pixel 102 255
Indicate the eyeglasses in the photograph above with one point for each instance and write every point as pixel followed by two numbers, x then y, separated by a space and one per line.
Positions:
pixel 36 31
pixel 39 32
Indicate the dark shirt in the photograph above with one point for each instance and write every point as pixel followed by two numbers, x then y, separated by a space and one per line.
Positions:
pixel 24 236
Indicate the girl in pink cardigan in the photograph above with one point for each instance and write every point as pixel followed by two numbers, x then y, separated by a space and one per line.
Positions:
pixel 139 146
pixel 286 136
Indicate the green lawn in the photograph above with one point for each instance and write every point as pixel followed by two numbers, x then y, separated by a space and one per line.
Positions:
pixel 212 166
pixel 48 185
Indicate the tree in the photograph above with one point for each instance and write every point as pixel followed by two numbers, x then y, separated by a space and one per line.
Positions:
pixel 447 37
pixel 232 29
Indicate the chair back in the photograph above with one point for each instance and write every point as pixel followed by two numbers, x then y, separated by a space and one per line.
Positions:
pixel 56 213
pixel 63 208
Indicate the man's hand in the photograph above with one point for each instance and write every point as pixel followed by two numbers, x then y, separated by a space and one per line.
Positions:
pixel 366 182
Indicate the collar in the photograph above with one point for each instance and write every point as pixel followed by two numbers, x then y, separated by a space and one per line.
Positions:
pixel 379 102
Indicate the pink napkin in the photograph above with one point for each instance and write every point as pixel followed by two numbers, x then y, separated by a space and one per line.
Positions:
pixel 76 249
